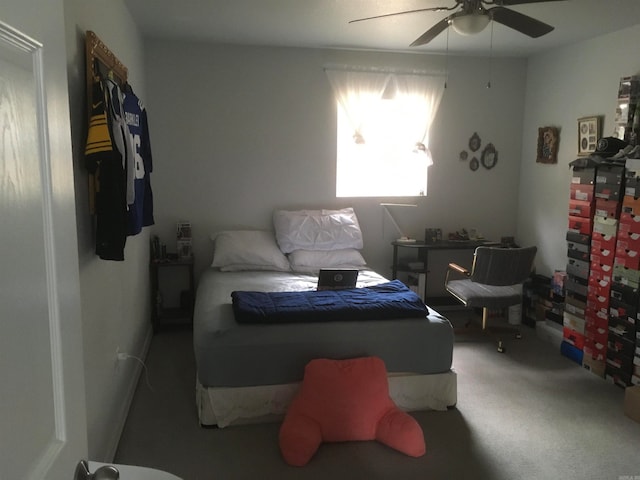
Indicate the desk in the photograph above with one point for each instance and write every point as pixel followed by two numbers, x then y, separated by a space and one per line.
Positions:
pixel 422 249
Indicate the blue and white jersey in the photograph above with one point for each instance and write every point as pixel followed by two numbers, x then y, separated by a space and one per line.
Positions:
pixel 141 210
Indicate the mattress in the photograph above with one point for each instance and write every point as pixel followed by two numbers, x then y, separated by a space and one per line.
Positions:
pixel 229 354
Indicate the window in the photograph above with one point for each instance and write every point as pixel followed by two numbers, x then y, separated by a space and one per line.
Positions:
pixel 383 125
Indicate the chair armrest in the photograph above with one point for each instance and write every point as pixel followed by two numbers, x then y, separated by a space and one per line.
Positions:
pixel 457 268
pixel 454 267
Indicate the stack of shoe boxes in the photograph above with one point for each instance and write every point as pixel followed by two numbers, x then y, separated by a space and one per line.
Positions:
pixel 608 185
pixel 581 210
pixel 622 342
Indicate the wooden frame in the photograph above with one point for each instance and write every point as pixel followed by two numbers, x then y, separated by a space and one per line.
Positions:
pixel 589 129
pixel 548 139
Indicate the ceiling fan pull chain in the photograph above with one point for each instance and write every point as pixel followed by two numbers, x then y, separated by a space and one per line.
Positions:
pixel 490 56
pixel 446 62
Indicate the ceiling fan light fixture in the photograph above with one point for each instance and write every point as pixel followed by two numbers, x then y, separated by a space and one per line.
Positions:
pixel 471 23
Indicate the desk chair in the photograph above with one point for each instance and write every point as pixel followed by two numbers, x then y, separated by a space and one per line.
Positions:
pixel 495 280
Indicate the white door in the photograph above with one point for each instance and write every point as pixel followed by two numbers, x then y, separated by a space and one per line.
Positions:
pixel 42 400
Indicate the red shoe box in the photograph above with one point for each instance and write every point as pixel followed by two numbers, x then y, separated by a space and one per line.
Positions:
pixel 601 242
pixel 599 285
pixel 574 337
pixel 581 208
pixel 581 192
pixel 598 303
pixel 580 225
pixel 628 240
pixel 629 223
pixel 604 208
pixel 627 259
pixel 594 350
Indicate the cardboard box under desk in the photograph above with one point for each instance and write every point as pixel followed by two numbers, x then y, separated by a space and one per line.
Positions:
pixel 632 403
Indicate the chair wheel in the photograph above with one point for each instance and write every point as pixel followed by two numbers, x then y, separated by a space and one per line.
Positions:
pixel 501 348
pixel 518 336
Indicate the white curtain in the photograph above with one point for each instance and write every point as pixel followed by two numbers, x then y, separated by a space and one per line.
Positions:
pixel 418 97
pixel 357 92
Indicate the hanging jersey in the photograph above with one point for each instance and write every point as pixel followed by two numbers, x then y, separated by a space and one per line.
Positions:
pixel 121 137
pixel 141 209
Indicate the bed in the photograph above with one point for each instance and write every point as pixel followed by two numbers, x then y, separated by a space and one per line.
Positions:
pixel 249 372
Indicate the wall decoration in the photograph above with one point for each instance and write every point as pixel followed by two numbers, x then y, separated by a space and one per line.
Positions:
pixel 548 139
pixel 588 134
pixel 474 164
pixel 474 142
pixel 464 155
pixel 489 156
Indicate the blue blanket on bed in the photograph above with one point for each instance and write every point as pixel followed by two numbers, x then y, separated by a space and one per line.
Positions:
pixel 379 302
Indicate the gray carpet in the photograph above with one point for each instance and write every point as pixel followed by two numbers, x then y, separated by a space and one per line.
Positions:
pixel 527 414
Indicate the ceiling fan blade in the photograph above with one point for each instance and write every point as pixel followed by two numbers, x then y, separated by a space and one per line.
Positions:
pixel 432 33
pixel 431 9
pixel 508 3
pixel 522 23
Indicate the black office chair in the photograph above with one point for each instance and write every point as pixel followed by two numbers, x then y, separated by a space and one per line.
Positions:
pixel 495 280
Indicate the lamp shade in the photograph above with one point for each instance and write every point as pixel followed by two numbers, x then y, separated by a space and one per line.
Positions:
pixel 470 23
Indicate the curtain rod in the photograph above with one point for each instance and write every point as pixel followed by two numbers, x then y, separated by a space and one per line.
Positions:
pixel 401 71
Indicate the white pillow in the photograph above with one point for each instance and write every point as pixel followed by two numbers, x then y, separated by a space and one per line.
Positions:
pixel 311 261
pixel 317 230
pixel 247 250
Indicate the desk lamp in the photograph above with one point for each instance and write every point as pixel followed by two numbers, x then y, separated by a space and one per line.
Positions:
pixel 402 237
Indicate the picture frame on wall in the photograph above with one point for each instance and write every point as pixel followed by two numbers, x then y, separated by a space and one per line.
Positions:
pixel 588 134
pixel 548 139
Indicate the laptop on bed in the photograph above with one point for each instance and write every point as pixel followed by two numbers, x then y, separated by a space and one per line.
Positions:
pixel 337 278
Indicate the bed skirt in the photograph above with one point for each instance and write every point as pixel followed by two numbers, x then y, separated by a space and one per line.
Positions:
pixel 224 406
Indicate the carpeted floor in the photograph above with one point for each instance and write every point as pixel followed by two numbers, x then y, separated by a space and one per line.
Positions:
pixel 527 414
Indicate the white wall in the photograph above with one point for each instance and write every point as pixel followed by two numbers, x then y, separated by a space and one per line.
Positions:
pixel 240 131
pixel 115 295
pixel 562 86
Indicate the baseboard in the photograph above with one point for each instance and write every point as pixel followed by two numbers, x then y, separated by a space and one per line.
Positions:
pixel 126 404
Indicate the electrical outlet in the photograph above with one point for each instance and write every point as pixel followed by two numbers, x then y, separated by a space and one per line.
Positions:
pixel 120 356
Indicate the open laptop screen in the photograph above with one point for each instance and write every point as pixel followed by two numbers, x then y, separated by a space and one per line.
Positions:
pixel 337 278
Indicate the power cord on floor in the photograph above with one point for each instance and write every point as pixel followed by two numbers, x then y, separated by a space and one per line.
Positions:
pixel 125 356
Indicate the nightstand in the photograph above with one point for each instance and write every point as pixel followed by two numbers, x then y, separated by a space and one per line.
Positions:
pixel 161 314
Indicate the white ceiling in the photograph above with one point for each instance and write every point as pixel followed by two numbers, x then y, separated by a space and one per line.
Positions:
pixel 324 24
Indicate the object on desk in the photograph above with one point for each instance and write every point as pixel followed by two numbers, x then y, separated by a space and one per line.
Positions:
pixel 508 242
pixel 184 242
pixel 432 235
pixel 460 235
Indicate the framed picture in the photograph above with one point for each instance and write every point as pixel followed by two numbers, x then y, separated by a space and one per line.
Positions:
pixel 588 134
pixel 548 138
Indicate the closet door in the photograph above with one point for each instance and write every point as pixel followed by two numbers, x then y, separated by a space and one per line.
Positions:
pixel 42 399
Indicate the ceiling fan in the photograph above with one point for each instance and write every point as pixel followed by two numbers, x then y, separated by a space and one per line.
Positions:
pixel 472 17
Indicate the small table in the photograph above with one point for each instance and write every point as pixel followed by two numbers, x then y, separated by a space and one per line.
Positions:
pixel 181 315
pixel 423 250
